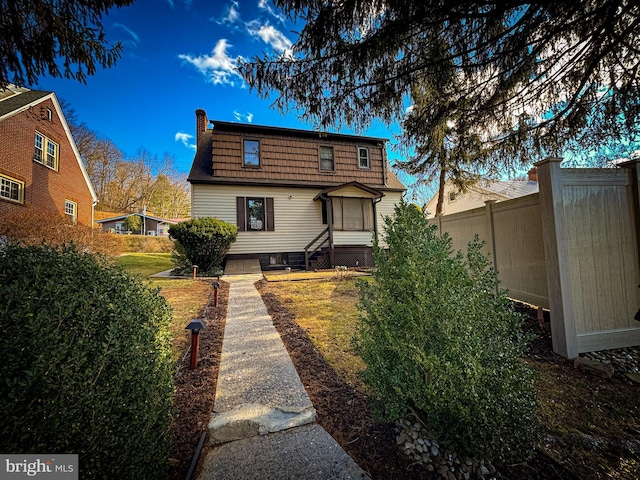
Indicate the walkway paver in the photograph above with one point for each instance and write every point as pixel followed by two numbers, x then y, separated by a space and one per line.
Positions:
pixel 261 406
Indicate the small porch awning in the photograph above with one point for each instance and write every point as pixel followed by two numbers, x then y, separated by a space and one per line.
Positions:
pixel 351 189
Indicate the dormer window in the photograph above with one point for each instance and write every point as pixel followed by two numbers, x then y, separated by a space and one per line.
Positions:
pixel 326 159
pixel 363 157
pixel 251 153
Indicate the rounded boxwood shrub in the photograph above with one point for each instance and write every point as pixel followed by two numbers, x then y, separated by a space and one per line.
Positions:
pixel 440 339
pixel 86 365
pixel 203 242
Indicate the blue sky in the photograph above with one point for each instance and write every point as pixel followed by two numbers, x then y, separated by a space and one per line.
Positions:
pixel 179 55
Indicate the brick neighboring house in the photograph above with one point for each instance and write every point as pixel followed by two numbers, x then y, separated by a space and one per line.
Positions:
pixel 299 198
pixel 40 166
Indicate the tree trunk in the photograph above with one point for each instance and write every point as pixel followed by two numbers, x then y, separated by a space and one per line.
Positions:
pixel 441 191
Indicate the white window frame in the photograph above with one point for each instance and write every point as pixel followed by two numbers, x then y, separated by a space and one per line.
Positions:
pixel 452 196
pixel 367 157
pixel 7 185
pixel 46 151
pixel 71 210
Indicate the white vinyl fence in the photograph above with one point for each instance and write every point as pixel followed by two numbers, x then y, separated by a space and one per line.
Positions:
pixel 572 248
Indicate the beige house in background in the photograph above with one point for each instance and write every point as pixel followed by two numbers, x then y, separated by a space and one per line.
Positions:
pixel 499 190
pixel 300 198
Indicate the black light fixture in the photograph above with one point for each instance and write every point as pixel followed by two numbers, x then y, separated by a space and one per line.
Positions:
pixel 216 286
pixel 195 326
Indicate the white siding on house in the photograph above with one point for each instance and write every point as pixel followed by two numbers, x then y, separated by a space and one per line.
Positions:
pixel 350 192
pixel 297 218
pixel 463 201
pixel 352 238
pixel 386 208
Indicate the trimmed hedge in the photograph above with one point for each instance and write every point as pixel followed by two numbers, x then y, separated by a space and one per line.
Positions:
pixel 86 364
pixel 32 226
pixel 203 242
pixel 441 340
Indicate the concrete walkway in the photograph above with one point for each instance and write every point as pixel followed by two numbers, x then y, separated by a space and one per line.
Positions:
pixel 263 424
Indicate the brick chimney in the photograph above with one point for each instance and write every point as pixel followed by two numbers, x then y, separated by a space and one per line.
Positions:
pixel 201 123
pixel 533 174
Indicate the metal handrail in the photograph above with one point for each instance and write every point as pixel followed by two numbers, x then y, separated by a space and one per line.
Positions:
pixel 306 249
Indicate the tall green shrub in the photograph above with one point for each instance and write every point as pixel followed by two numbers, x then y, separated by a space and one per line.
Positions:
pixel 86 363
pixel 203 242
pixel 439 338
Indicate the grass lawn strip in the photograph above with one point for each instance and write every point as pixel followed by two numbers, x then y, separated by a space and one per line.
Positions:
pixel 187 298
pixel 145 264
pixel 327 310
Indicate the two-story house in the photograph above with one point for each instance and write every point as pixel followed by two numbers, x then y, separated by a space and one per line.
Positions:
pixel 40 166
pixel 300 198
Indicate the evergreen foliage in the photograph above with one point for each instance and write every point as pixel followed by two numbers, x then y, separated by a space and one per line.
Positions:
pixel 439 338
pixel 203 242
pixel 531 79
pixel 86 365
pixel 61 38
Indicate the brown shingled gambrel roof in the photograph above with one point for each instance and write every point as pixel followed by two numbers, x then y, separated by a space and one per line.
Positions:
pixel 202 170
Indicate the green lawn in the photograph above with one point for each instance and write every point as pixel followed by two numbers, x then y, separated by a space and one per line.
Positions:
pixel 145 264
pixel 186 297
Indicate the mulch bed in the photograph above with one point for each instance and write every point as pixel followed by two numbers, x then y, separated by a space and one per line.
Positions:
pixel 195 390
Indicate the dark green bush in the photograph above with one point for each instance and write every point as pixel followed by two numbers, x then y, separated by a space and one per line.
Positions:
pixel 86 363
pixel 440 339
pixel 203 242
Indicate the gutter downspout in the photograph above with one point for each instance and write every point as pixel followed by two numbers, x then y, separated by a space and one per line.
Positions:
pixel 384 165
pixel 93 216
pixel 375 216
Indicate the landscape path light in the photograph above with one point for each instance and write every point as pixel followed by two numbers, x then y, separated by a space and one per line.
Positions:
pixel 195 326
pixel 195 269
pixel 216 286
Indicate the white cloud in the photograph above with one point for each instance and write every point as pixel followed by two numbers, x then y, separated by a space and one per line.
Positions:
pixel 243 117
pixel 219 68
pixel 134 40
pixel 185 138
pixel 264 5
pixel 172 3
pixel 270 35
pixel 232 15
